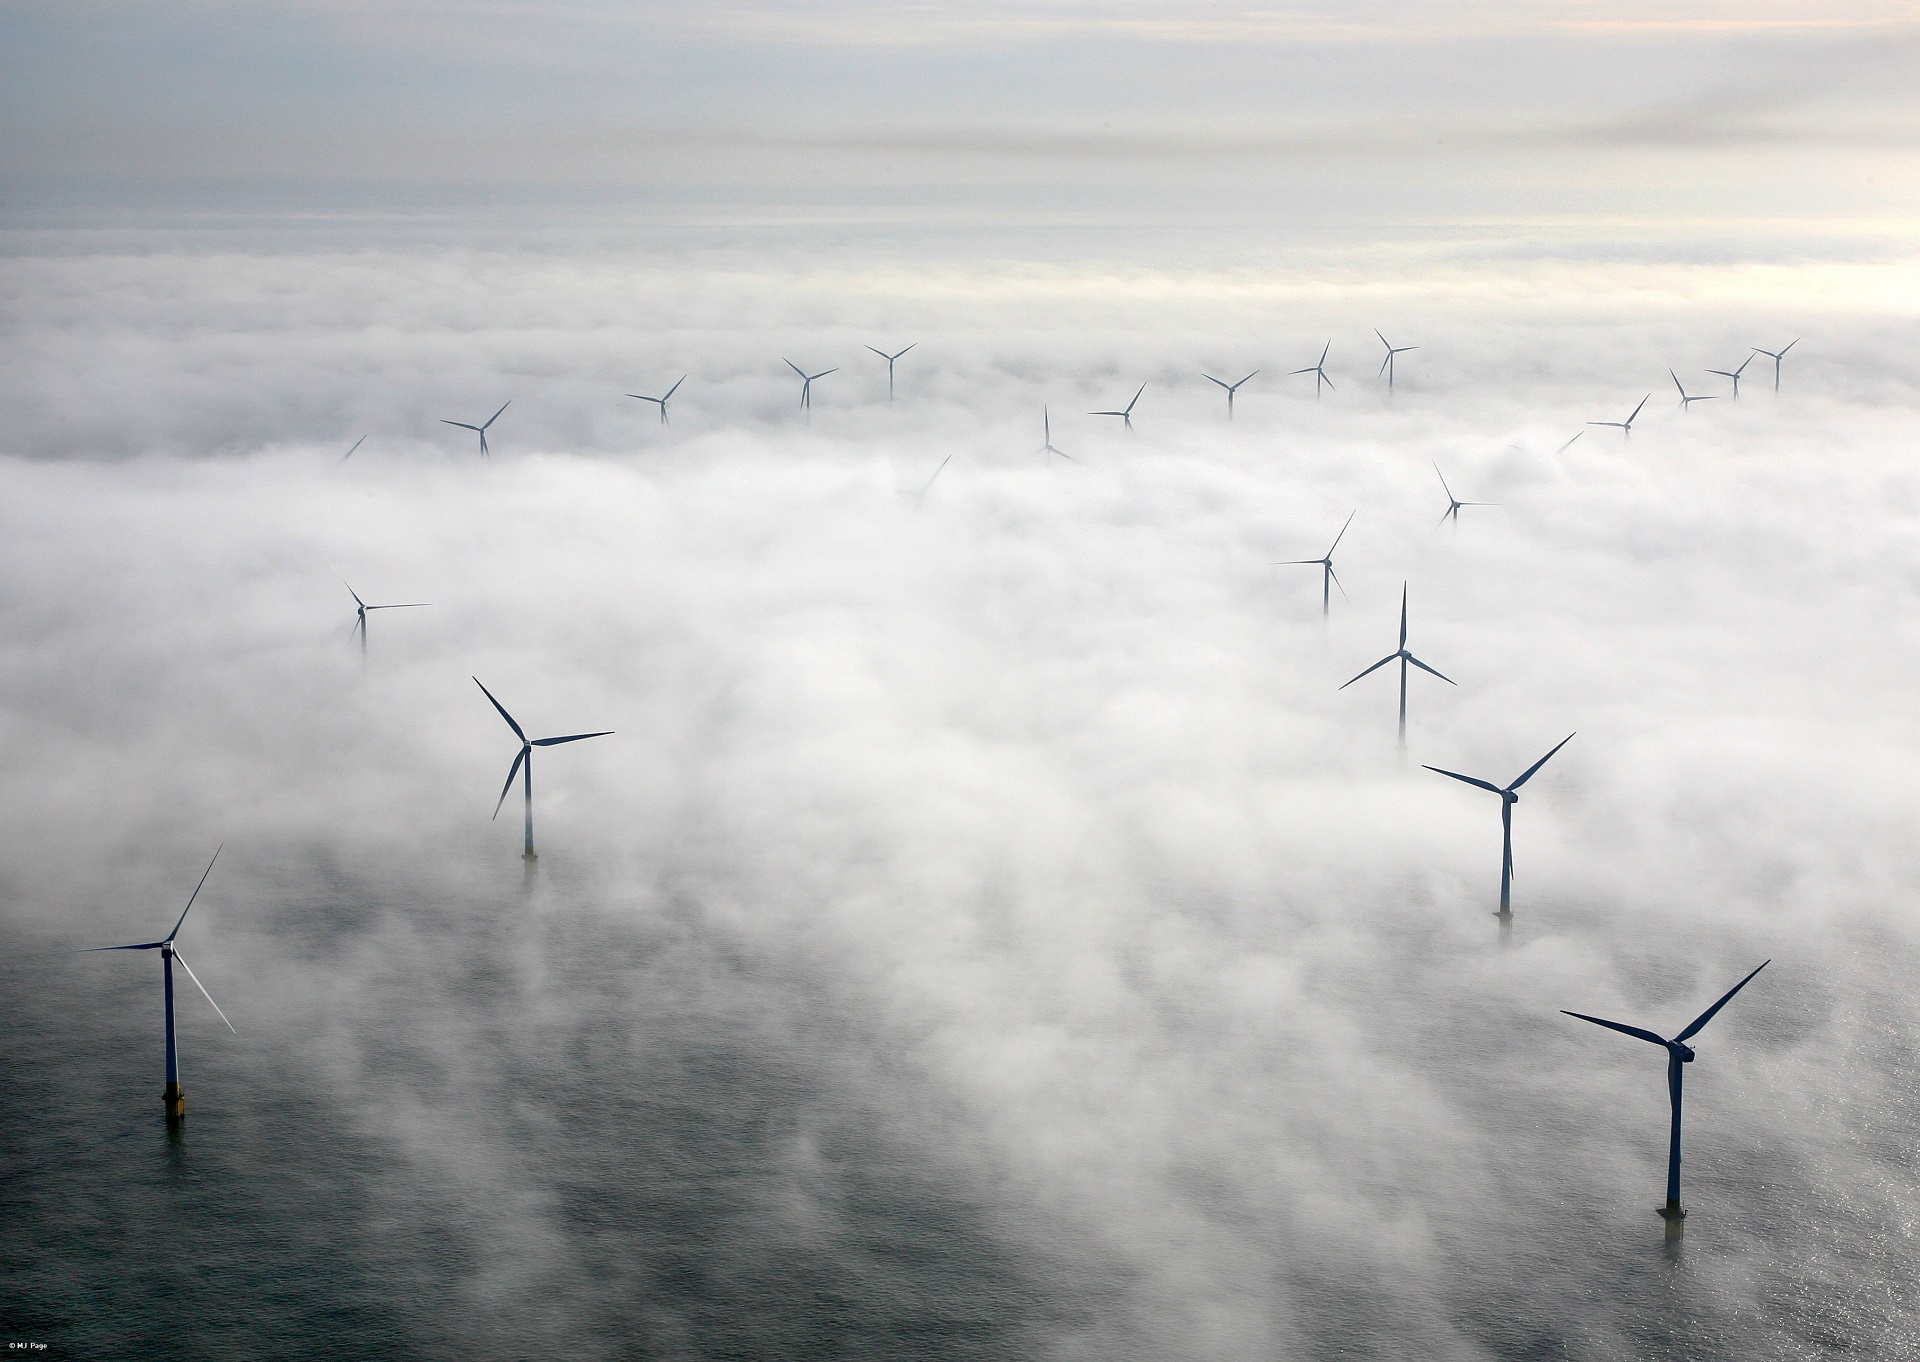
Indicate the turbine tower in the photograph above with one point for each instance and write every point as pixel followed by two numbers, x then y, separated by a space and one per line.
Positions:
pixel 1327 580
pixel 360 614
pixel 1231 389
pixel 481 428
pixel 172 1097
pixel 525 758
pixel 890 359
pixel 661 402
pixel 1776 356
pixel 1319 371
pixel 1404 658
pixel 1678 1053
pixel 1126 414
pixel 1386 365
pixel 806 383
pixel 1509 796
pixel 1626 426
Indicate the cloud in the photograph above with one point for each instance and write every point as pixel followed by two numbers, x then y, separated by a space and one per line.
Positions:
pixel 989 925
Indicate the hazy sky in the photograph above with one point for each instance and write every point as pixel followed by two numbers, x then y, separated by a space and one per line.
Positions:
pixel 1403 109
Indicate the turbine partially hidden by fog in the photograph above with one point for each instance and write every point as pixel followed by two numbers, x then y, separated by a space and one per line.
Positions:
pixel 523 761
pixel 173 1098
pixel 1679 1053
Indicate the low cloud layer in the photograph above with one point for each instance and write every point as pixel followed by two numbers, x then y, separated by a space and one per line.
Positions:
pixel 989 925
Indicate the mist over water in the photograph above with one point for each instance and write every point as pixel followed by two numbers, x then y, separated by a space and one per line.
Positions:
pixel 989 931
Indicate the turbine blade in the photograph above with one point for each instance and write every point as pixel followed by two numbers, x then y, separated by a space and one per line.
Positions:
pixel 1323 354
pixel 642 397
pixel 1527 775
pixel 1136 397
pixel 1636 410
pixel 503 711
pixel 1443 481
pixel 496 416
pixel 512 771
pixel 1334 577
pixel 406 605
pixel 1343 531
pixel 1789 345
pixel 796 368
pixel 882 353
pixel 571 737
pixel 202 987
pixel 1403 616
pixel 1430 671
pixel 196 892
pixel 351 592
pixel 674 389
pixel 1707 1016
pixel 356 444
pixel 1211 379
pixel 1485 785
pixel 464 425
pixel 1383 340
pixel 1621 1027
pixel 905 351
pixel 937 472
pixel 1245 379
pixel 1676 383
pixel 823 373
pixel 1390 657
pixel 1576 435
pixel 143 946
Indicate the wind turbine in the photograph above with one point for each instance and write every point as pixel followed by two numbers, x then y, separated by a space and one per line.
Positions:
pixel 661 402
pixel 356 444
pixel 927 486
pixel 1327 580
pixel 1509 796
pixel 1386 365
pixel 481 428
pixel 1319 371
pixel 1776 357
pixel 1046 426
pixel 1626 426
pixel 890 359
pixel 1686 402
pixel 1126 415
pixel 1404 658
pixel 806 383
pixel 360 614
pixel 1230 387
pixel 174 1100
pixel 1734 374
pixel 1678 1053
pixel 525 757
pixel 1454 503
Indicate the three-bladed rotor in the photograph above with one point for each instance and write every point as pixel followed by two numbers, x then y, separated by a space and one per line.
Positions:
pixel 1126 413
pixel 1319 371
pixel 481 428
pixel 1626 426
pixel 661 402
pixel 1329 578
pixel 806 383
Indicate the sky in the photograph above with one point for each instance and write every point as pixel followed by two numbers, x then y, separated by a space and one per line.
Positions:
pixel 990 930
pixel 1394 109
